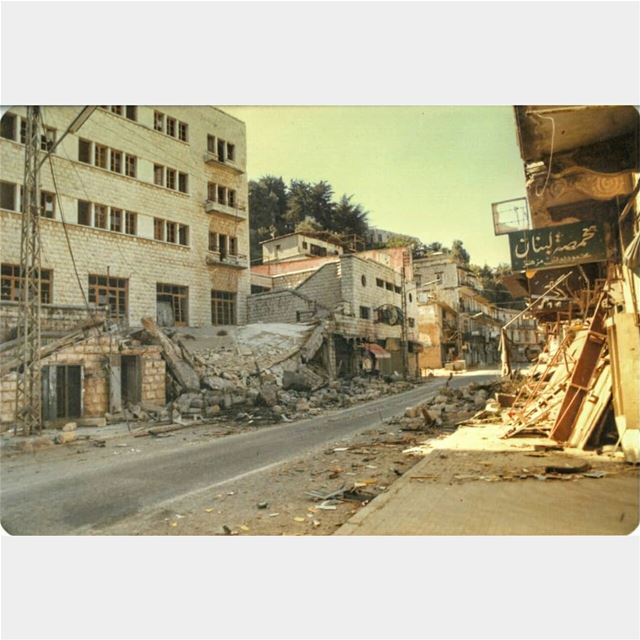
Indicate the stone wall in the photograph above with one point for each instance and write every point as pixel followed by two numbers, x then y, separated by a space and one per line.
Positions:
pixel 93 355
pixel 55 317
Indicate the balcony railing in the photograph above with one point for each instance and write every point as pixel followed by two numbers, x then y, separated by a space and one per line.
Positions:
pixel 237 261
pixel 239 211
pixel 212 158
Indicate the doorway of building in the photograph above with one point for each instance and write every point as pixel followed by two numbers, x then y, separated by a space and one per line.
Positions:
pixel 131 392
pixel 61 392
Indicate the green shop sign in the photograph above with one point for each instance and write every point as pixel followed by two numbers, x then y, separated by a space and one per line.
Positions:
pixel 564 245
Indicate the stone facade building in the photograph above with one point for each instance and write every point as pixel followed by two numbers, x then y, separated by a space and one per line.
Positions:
pixel 456 321
pixel 152 201
pixel 358 295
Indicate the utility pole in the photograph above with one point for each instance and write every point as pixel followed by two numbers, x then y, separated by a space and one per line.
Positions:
pixel 28 383
pixel 404 338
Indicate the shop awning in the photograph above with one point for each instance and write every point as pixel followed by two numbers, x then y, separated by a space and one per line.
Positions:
pixel 376 350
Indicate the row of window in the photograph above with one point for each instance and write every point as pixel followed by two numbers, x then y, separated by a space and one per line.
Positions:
pixel 221 194
pixel 225 151
pixel 384 284
pixel 171 126
pixel 224 244
pixel 12 198
pixel 129 112
pixel 166 177
pixel 104 290
pixel 107 158
pixel 168 231
pixel 12 127
pixel 91 214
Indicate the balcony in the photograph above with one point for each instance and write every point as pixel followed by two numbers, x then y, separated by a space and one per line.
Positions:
pixel 239 211
pixel 213 159
pixel 215 259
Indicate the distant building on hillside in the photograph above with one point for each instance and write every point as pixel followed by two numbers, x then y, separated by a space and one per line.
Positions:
pixel 376 237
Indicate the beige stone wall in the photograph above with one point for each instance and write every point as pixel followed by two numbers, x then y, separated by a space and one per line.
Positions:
pixel 92 354
pixel 141 259
pixel 58 318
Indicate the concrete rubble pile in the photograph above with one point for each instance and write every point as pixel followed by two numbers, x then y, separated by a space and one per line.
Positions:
pixel 449 408
pixel 258 372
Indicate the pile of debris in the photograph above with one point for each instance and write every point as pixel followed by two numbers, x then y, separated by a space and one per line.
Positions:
pixel 451 407
pixel 568 394
pixel 260 372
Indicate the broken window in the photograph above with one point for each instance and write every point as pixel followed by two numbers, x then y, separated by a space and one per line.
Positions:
pixel 222 195
pixel 397 289
pixel 183 182
pixel 172 302
pixel 84 151
pixel 231 198
pixel 8 196
pixel 171 178
pixel 220 150
pixel 11 283
pixel 171 232
pixel 158 175
pixel 211 143
pixel 222 245
pixel 47 204
pixel 111 292
pixel 158 228
pixel 116 161
pixel 388 286
pixel 171 126
pixel 231 151
pixel 132 113
pixel 8 126
pixel 116 220
pixel 84 213
pixel 23 131
pixel 365 313
pixel 100 216
pixel 48 139
pixel 117 110
pixel 183 234
pixel 130 223
pixel 223 307
pixel 211 191
pixel 100 155
pixel 317 250
pixel 233 246
pixel 130 165
pixel 183 131
pixel 158 121
pixel 213 241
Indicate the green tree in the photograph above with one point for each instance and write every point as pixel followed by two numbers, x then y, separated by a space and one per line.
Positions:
pixel 459 252
pixel 350 218
pixel 267 209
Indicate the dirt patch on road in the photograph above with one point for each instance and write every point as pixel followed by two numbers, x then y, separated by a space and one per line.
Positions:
pixel 278 502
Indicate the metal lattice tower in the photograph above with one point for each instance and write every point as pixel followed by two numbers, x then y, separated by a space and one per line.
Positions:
pixel 28 389
pixel 405 337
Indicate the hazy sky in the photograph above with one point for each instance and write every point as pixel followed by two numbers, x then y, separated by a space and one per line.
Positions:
pixel 430 172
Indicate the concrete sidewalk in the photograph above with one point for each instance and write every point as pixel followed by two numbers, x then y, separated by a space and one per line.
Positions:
pixel 474 483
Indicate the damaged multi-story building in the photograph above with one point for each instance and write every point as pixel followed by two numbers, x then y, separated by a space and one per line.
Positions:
pixel 577 255
pixel 366 299
pixel 143 214
pixel 456 321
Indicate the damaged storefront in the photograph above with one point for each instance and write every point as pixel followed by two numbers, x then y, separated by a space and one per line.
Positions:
pixel 578 256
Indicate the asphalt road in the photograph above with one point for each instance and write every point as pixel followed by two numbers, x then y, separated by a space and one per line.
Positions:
pixel 65 499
